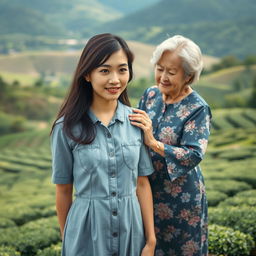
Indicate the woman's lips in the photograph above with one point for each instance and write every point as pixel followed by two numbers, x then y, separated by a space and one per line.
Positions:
pixel 113 90
pixel 165 84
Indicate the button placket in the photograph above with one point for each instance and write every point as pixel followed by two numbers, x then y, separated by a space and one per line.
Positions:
pixel 113 193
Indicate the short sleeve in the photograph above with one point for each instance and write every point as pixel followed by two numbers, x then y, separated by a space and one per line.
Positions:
pixel 185 157
pixel 145 163
pixel 62 157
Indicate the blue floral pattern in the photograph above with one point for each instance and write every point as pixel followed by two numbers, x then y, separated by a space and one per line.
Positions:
pixel 180 204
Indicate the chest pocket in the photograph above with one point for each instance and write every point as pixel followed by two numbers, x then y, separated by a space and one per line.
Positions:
pixel 131 154
pixel 89 156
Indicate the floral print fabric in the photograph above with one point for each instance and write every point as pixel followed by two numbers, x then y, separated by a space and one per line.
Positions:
pixel 180 205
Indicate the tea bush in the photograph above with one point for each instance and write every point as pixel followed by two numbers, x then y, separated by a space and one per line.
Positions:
pixel 227 241
pixel 229 187
pixel 238 218
pixel 54 250
pixel 31 237
pixel 8 251
pixel 245 198
pixel 214 197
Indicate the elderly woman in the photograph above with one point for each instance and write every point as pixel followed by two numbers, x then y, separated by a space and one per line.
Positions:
pixel 175 120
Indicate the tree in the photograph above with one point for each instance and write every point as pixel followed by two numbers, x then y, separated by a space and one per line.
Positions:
pixel 252 100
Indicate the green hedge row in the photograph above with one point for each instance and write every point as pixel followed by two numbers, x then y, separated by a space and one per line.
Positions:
pixel 243 170
pixel 215 197
pixel 238 218
pixel 8 251
pixel 229 187
pixel 245 198
pixel 26 161
pixel 54 250
pixel 21 214
pixel 32 236
pixel 229 242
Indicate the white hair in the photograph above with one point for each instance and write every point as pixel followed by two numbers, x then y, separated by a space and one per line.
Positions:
pixel 187 50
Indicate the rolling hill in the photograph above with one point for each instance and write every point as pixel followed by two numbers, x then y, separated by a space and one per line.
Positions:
pixel 128 6
pixel 221 27
pixel 59 62
pixel 54 17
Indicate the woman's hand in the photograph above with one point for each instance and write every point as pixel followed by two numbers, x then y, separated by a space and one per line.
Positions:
pixel 149 249
pixel 141 119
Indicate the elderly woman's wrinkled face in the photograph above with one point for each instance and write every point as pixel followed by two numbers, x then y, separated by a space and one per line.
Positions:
pixel 169 74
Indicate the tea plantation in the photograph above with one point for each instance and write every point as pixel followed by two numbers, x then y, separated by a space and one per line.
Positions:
pixel 28 223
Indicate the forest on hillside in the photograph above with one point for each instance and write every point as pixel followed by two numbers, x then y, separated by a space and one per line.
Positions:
pixel 213 24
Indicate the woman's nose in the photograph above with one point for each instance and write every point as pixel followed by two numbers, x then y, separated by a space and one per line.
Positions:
pixel 164 76
pixel 114 79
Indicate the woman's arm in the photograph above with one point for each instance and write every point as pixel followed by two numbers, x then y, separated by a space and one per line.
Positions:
pixel 63 203
pixel 144 194
pixel 182 158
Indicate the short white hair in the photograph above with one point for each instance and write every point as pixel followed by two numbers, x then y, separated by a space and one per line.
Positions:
pixel 187 50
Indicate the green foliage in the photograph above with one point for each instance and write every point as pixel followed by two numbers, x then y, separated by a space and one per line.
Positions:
pixel 226 119
pixel 227 241
pixel 252 101
pixel 31 236
pixel 138 86
pixel 229 187
pixel 28 102
pixel 245 198
pixel 226 62
pixel 209 23
pixel 11 123
pixel 6 223
pixel 214 197
pixel 54 250
pixel 8 251
pixel 238 218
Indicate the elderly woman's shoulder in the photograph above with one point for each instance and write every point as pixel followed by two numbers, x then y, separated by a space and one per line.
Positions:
pixel 199 99
pixel 151 92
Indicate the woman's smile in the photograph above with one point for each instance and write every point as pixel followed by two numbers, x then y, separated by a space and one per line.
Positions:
pixel 113 90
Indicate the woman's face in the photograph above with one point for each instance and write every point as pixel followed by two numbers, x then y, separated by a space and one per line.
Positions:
pixel 111 78
pixel 169 74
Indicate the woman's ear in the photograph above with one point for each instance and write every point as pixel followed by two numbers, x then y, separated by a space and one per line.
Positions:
pixel 87 78
pixel 189 79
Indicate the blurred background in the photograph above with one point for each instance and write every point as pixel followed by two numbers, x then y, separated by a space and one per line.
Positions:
pixel 40 43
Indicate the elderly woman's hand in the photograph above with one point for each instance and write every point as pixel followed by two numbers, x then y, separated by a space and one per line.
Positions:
pixel 141 119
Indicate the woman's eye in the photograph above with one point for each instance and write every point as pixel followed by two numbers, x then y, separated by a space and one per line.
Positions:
pixel 104 71
pixel 172 74
pixel 123 70
pixel 160 70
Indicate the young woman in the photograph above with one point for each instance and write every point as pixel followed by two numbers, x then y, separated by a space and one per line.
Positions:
pixel 97 150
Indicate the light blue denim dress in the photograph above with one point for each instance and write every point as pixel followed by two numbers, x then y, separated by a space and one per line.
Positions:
pixel 105 217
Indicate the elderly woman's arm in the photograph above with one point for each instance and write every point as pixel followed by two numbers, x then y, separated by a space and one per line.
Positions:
pixel 181 158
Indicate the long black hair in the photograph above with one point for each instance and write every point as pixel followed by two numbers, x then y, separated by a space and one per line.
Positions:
pixel 75 107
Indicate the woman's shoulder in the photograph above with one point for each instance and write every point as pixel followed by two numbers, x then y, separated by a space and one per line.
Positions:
pixel 58 124
pixel 58 129
pixel 196 104
pixel 151 92
pixel 196 100
pixel 199 99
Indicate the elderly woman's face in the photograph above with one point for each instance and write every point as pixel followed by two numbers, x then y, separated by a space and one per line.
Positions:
pixel 169 74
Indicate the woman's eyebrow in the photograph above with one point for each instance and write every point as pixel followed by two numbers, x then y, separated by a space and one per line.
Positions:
pixel 109 66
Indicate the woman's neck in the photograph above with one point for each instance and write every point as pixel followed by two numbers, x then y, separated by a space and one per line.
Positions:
pixel 104 111
pixel 170 99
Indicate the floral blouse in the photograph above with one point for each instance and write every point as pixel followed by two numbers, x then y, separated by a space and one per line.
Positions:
pixel 180 205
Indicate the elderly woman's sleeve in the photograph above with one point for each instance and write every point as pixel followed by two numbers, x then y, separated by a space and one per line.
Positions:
pixel 183 158
pixel 62 157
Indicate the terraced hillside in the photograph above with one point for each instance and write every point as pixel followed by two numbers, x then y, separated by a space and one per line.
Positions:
pixel 28 225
